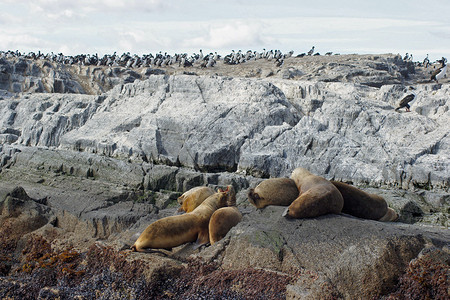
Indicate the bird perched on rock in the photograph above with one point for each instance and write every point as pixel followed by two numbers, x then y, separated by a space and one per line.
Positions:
pixel 440 72
pixel 279 62
pixel 310 52
pixel 426 62
pixel 407 101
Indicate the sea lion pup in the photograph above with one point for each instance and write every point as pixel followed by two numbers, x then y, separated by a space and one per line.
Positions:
pixel 174 231
pixel 318 196
pixel 273 191
pixel 222 220
pixel 191 199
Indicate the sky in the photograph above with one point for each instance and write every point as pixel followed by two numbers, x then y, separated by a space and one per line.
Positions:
pixel 141 27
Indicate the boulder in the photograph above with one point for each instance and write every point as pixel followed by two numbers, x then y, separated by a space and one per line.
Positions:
pixel 358 258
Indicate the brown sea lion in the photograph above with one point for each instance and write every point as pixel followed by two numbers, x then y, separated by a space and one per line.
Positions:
pixel 361 204
pixel 174 231
pixel 222 220
pixel 390 216
pixel 318 196
pixel 191 199
pixel 273 191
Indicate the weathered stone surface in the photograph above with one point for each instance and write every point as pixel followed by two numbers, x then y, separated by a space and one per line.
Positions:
pixel 345 256
pixel 361 258
pixel 36 75
pixel 342 131
pixel 103 166
pixel 22 213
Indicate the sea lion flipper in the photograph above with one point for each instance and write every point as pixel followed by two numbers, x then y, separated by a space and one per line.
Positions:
pixel 197 245
pixel 285 213
pixel 390 216
pixel 203 237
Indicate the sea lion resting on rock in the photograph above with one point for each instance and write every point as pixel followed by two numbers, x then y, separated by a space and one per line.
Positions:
pixel 364 205
pixel 174 231
pixel 273 191
pixel 318 196
pixel 222 220
pixel 193 198
pixel 390 216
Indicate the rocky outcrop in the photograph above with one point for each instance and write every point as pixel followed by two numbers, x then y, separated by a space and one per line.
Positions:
pixel 20 74
pixel 329 256
pixel 258 127
pixel 333 248
pixel 103 155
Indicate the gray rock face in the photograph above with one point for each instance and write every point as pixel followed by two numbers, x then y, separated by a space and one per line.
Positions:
pixel 258 127
pixel 23 75
pixel 42 75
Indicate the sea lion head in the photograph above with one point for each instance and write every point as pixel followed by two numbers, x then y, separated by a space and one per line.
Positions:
pixel 231 200
pixel 300 172
pixel 228 196
pixel 253 197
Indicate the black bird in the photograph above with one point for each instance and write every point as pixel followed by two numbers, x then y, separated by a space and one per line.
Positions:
pixel 406 101
pixel 440 72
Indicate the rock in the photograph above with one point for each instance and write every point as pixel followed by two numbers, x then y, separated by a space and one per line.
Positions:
pixel 101 152
pixel 357 258
pixel 330 255
pixel 20 214
pixel 340 130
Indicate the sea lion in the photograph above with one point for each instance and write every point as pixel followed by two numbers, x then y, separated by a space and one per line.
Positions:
pixel 361 204
pixel 390 216
pixel 364 205
pixel 318 196
pixel 222 220
pixel 174 231
pixel 191 199
pixel 273 191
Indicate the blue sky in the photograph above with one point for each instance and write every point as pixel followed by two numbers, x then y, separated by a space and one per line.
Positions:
pixel 185 26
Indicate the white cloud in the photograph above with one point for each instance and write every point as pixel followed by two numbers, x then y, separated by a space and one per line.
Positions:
pixel 20 41
pixel 231 34
pixel 70 9
pixel 7 19
pixel 96 6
